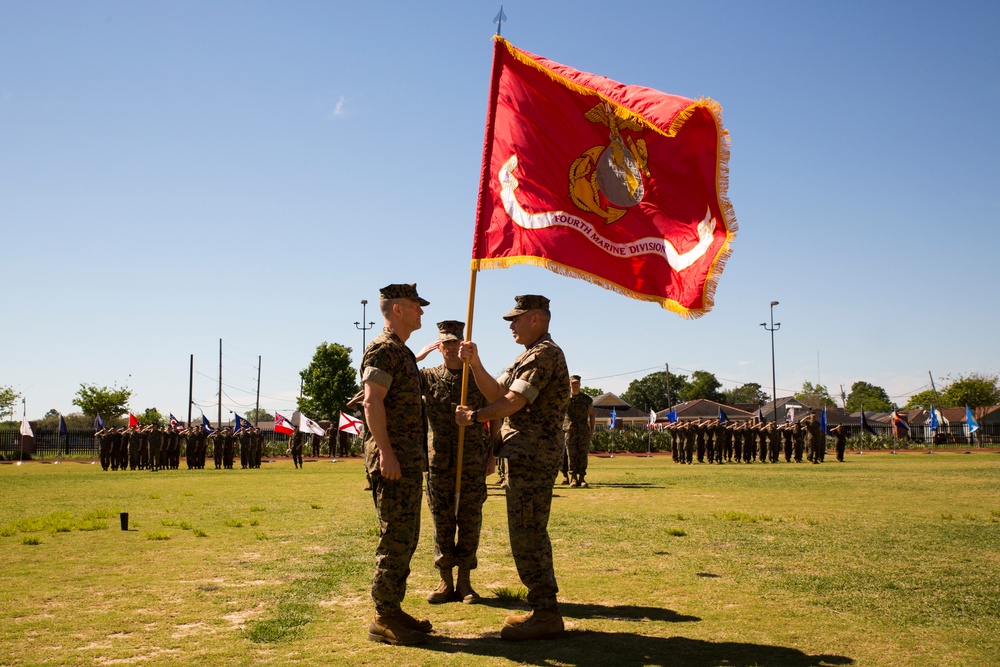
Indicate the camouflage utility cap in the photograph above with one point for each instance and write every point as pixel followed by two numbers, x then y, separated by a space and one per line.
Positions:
pixel 408 291
pixel 526 302
pixel 451 330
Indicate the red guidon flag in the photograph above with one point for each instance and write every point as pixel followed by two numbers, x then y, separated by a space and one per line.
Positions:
pixel 133 422
pixel 619 185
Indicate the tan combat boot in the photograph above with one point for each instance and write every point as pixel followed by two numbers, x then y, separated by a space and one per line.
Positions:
pixel 575 482
pixel 539 624
pixel 583 483
pixel 390 629
pixel 445 592
pixel 410 623
pixel 464 588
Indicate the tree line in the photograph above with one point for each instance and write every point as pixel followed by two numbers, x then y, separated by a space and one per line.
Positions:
pixel 329 382
pixel 653 392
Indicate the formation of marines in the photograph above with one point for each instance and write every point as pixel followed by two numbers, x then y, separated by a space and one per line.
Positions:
pixel 712 441
pixel 156 448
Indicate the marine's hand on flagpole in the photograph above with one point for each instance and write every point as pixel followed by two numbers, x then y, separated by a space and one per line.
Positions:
pixel 428 349
pixel 468 352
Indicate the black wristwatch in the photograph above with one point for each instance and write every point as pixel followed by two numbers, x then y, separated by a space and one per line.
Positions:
pixel 475 416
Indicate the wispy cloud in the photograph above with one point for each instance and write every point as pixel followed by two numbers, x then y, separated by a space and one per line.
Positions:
pixel 339 109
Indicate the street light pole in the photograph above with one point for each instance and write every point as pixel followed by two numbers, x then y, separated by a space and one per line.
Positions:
pixel 361 324
pixel 774 384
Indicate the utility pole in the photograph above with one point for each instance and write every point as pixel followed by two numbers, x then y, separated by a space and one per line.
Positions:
pixel 190 390
pixel 670 402
pixel 256 412
pixel 219 423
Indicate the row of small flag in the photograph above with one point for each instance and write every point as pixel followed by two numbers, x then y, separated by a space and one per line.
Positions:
pixel 936 419
pixel 281 424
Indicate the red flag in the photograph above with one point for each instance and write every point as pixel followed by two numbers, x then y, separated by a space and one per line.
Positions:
pixel 619 185
pixel 350 424
pixel 133 422
pixel 282 425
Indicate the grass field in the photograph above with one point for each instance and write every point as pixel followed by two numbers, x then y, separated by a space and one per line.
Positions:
pixel 883 560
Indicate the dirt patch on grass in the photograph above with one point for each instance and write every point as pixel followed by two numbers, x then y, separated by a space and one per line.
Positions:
pixel 150 654
pixel 240 618
pixel 189 629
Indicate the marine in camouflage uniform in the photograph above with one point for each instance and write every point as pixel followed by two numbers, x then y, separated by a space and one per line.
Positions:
pixel 104 439
pixel 786 435
pixel 817 440
pixel 216 439
pixel 228 448
pixel 395 460
pixel 532 395
pixel 578 429
pixel 122 439
pixel 154 436
pixel 134 441
pixel 442 389
pixel 799 442
pixel 295 446
pixel 839 433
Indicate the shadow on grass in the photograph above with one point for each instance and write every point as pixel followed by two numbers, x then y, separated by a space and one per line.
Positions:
pixel 583 647
pixel 613 613
pixel 626 485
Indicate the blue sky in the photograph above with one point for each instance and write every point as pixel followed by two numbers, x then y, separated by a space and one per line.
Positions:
pixel 176 173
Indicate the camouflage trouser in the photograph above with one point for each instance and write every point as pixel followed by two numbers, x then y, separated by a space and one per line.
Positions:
pixel 105 454
pixel 529 500
pixel 397 504
pixel 449 552
pixel 217 454
pixel 154 456
pixel 577 449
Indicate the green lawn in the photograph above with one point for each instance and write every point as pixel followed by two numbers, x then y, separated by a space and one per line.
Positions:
pixel 883 560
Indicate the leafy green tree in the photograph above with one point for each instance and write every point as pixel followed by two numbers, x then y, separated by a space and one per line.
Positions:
pixel 745 393
pixel 977 390
pixel 8 399
pixel 74 420
pixel 593 392
pixel 650 392
pixel 702 385
pixel 328 382
pixel 815 396
pixel 255 415
pixel 925 399
pixel 109 402
pixel 151 416
pixel 868 396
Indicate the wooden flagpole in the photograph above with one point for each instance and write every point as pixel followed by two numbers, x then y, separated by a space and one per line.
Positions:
pixel 481 217
pixel 465 391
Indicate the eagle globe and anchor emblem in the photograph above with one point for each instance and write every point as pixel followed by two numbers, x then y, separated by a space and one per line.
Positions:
pixel 614 171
